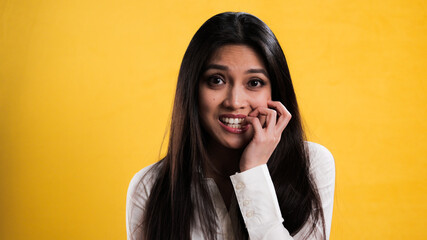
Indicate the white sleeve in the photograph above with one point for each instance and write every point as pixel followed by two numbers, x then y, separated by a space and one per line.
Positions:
pixel 259 206
pixel 137 195
pixel 322 168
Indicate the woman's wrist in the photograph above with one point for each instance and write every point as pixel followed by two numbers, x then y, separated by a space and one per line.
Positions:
pixel 249 166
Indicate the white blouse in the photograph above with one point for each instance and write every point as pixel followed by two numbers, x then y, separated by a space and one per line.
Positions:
pixel 255 196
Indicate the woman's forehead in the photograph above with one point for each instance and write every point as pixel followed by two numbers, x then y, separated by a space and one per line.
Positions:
pixel 234 55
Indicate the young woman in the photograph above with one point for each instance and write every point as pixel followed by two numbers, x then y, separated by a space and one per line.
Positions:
pixel 237 165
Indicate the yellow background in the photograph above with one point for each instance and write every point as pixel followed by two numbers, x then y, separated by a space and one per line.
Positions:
pixel 86 89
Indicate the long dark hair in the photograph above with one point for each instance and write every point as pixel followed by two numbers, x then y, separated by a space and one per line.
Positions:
pixel 179 188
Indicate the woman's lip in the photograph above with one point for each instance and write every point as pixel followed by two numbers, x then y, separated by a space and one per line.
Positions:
pixel 243 129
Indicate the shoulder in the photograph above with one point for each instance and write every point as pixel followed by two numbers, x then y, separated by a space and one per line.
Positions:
pixel 142 182
pixel 319 155
pixel 322 164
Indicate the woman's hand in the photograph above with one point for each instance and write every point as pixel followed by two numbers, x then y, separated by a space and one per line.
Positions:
pixel 266 135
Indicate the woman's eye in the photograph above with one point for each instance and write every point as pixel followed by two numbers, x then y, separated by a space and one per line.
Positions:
pixel 215 80
pixel 256 83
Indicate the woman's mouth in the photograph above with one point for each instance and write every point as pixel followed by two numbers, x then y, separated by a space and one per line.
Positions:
pixel 234 123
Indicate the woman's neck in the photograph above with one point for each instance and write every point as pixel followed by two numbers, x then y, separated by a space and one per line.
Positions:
pixel 224 162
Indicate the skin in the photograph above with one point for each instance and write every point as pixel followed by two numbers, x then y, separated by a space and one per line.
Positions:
pixel 236 82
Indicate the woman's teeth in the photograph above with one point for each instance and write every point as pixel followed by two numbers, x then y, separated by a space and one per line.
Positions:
pixel 233 122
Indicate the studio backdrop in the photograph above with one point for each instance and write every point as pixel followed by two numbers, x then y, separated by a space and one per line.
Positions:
pixel 86 90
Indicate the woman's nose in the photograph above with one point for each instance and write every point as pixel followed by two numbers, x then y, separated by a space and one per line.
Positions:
pixel 236 98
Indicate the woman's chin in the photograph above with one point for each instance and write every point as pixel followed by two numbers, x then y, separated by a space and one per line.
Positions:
pixel 236 142
pixel 235 145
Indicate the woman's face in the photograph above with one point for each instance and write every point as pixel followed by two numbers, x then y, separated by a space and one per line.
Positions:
pixel 234 83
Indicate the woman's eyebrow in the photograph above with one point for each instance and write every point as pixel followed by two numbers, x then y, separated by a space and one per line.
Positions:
pixel 216 66
pixel 225 68
pixel 257 70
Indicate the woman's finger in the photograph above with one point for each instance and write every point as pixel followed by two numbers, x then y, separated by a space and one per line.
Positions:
pixel 271 116
pixel 284 115
pixel 254 121
pixel 262 118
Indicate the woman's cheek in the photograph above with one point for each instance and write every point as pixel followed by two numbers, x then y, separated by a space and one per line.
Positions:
pixel 258 101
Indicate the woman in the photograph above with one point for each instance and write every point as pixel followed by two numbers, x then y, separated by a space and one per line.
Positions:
pixel 237 165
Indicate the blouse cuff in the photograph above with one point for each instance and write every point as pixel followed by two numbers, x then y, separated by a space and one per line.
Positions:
pixel 256 196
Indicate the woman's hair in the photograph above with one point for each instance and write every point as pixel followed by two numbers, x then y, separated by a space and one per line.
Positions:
pixel 180 191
